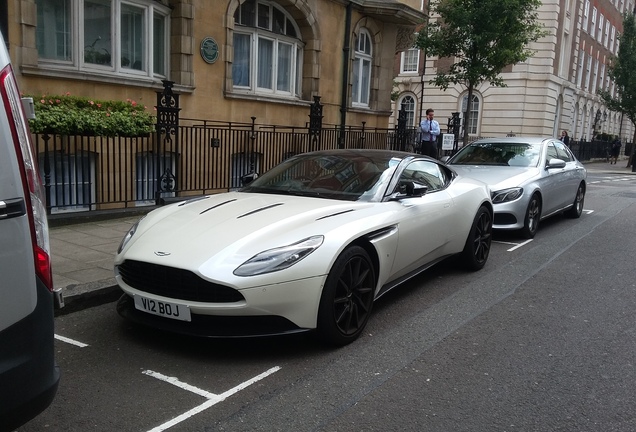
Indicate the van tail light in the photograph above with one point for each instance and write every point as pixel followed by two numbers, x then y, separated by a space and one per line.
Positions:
pixel 28 170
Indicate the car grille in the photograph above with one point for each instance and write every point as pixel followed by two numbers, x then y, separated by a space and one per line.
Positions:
pixel 175 283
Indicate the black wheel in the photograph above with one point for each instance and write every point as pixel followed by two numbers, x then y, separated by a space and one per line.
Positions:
pixel 577 206
pixel 533 216
pixel 347 298
pixel 477 246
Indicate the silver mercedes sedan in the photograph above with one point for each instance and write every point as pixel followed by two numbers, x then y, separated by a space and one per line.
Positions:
pixel 531 178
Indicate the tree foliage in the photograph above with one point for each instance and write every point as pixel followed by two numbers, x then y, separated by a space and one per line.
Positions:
pixel 621 71
pixel 483 37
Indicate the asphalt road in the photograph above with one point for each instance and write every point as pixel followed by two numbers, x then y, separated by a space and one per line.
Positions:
pixel 542 339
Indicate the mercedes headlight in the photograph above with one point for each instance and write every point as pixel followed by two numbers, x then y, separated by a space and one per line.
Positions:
pixel 506 195
pixel 279 258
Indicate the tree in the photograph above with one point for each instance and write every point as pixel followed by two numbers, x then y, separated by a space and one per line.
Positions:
pixel 621 71
pixel 483 37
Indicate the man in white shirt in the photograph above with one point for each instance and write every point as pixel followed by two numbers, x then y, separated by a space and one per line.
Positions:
pixel 429 133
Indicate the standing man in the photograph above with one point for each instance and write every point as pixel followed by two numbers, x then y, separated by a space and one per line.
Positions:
pixel 430 132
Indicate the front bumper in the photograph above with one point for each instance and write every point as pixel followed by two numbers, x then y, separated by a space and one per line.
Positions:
pixel 290 307
pixel 509 215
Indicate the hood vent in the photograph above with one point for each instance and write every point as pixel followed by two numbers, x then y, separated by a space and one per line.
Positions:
pixel 260 210
pixel 335 214
pixel 218 205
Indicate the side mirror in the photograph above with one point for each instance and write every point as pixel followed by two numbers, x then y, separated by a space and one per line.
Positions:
pixel 248 178
pixel 409 190
pixel 444 159
pixel 555 163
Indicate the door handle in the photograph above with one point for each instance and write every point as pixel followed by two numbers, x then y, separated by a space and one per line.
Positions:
pixel 12 207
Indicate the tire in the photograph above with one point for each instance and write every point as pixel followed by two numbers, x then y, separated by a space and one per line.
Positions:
pixel 347 297
pixel 532 218
pixel 477 247
pixel 576 210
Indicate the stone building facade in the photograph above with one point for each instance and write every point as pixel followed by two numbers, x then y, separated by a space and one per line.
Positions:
pixel 554 90
pixel 229 59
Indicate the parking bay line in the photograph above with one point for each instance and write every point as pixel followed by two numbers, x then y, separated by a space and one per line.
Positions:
pixel 213 399
pixel 518 245
pixel 70 341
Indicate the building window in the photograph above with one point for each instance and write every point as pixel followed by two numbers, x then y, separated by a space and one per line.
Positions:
pixel 147 168
pixel 588 73
pixel 242 164
pixel 408 105
pixel 267 50
pixel 362 69
pixel 593 24
pixel 72 181
pixel 599 36
pixel 103 36
pixel 410 60
pixel 602 80
pixel 579 77
pixel 595 77
pixel 586 10
pixel 474 113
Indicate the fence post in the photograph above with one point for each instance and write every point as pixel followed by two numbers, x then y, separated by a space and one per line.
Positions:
pixel 401 129
pixel 315 123
pixel 47 173
pixel 167 126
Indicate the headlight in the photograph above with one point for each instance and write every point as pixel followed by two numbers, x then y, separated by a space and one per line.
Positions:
pixel 506 195
pixel 128 236
pixel 280 258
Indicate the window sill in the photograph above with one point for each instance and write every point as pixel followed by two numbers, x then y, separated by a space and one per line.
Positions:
pixel 367 110
pixel 267 98
pixel 101 77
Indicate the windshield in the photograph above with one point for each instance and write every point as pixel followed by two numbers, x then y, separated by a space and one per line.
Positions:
pixel 350 176
pixel 499 153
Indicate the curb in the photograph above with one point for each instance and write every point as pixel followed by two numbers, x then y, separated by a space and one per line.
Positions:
pixel 91 295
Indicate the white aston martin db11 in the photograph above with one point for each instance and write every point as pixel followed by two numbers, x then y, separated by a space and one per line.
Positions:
pixel 309 245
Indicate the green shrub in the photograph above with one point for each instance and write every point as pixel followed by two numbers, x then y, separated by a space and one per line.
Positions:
pixel 73 115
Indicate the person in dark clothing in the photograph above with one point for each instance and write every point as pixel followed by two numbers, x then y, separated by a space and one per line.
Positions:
pixel 565 138
pixel 615 151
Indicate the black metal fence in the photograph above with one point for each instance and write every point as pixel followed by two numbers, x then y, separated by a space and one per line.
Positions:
pixel 200 157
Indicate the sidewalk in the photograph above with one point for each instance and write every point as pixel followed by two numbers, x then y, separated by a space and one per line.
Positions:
pixel 82 258
pixel 83 249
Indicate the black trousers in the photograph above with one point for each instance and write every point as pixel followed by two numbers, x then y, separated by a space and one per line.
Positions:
pixel 429 148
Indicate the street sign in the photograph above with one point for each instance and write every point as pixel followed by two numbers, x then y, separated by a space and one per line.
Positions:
pixel 448 141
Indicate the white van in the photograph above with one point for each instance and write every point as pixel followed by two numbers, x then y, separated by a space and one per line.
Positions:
pixel 28 373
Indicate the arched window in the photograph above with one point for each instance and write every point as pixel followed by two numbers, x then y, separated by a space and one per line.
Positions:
pixel 408 104
pixel 362 69
pixel 473 121
pixel 267 50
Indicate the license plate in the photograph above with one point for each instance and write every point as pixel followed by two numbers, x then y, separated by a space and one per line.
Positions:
pixel 165 309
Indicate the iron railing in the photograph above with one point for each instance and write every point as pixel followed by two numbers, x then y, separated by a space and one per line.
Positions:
pixel 104 173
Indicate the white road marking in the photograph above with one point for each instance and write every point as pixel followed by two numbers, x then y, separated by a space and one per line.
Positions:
pixel 503 242
pixel 519 245
pixel 71 341
pixel 213 399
